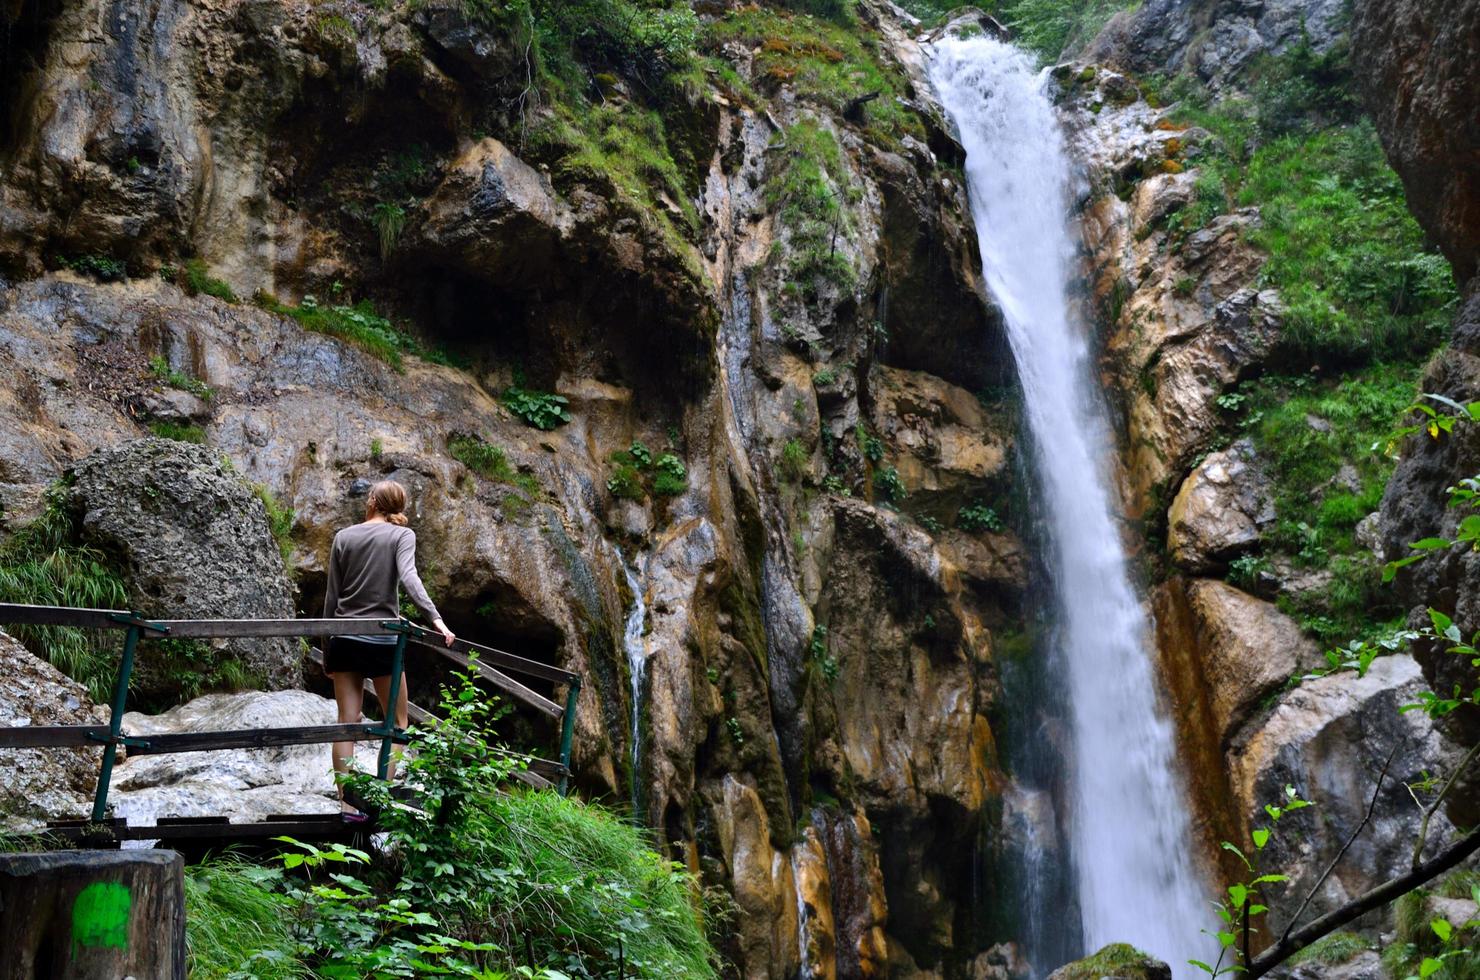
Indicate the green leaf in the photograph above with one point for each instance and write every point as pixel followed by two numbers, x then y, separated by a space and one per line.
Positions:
pixel 1239 894
pixel 1226 939
pixel 1430 544
pixel 1429 966
pixel 1442 929
pixel 1441 622
pixel 1261 837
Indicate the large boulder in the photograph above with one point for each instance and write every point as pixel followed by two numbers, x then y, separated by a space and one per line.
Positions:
pixel 1221 510
pixel 244 784
pixel 1330 738
pixel 41 784
pixel 192 540
pixel 1118 961
pixel 1418 77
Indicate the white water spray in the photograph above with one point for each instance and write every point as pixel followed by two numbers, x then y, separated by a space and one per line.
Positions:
pixel 636 649
pixel 1131 839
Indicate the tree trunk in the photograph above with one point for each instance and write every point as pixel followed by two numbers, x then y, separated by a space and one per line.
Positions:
pixel 92 915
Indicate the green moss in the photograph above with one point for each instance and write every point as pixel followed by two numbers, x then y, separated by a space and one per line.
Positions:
pixel 360 325
pixel 280 518
pixel 491 463
pixel 1114 960
pixel 1332 950
pixel 825 62
pixel 197 281
pixel 808 185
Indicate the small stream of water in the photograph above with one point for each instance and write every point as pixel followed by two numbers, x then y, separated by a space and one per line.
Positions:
pixel 635 647
pixel 1130 837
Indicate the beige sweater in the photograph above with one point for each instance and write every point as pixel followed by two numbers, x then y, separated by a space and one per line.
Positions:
pixel 368 565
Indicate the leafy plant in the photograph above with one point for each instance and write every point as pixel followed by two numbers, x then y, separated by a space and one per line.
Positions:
pixel 873 447
pixel 626 482
pixel 827 665
pixel 887 480
pixel 670 478
pixel 359 324
pixel 280 518
pixel 198 281
pixel 930 523
pixel 540 409
pixel 377 448
pixel 100 267
pixel 1245 570
pixel 977 516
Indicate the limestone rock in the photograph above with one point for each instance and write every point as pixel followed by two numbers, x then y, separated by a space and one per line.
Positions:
pixel 1215 39
pixel 1329 738
pixel 1118 961
pixel 1221 509
pixel 244 784
pixel 193 541
pixel 41 784
pixel 1419 83
pixel 1234 650
pixel 1366 965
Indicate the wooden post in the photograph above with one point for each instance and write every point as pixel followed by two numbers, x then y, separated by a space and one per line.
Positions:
pixel 92 915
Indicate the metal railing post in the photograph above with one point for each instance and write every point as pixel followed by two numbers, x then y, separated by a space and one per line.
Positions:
pixel 388 730
pixel 567 732
pixel 115 723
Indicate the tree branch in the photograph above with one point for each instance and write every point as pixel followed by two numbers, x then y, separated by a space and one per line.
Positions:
pixel 1446 859
pixel 1423 828
pixel 1366 819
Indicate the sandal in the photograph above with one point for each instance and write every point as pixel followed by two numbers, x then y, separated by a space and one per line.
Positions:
pixel 354 816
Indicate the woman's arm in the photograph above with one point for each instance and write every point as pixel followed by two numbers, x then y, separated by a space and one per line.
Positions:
pixel 331 591
pixel 411 582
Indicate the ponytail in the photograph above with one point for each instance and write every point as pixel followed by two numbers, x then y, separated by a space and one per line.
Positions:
pixel 388 499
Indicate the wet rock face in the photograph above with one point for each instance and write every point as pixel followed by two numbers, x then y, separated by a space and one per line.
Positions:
pixel 41 784
pixel 1216 40
pixel 1420 85
pixel 1330 738
pixel 1223 507
pixel 192 541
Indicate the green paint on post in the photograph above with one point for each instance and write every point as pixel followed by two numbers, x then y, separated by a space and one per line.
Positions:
pixel 100 916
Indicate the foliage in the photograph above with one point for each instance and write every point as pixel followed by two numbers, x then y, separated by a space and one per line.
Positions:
pixel 178 431
pixel 930 523
pixel 807 185
pixel 1244 571
pixel 977 516
pixel 359 324
pixel 1050 27
pixel 540 409
pixel 1244 905
pixel 872 446
pixel 887 480
pixel 103 268
pixel 635 472
pixel 1306 431
pixel 280 518
pixel 794 460
pixel 197 281
pixel 236 923
pixel 390 221
pixel 491 463
pixel 1332 950
pixel 827 664
pixel 670 478
pixel 824 62
pixel 160 368
pixel 43 564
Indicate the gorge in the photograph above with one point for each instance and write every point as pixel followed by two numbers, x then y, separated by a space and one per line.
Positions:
pixel 947 443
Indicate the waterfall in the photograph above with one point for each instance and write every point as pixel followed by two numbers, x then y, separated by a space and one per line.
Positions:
pixel 1131 839
pixel 636 650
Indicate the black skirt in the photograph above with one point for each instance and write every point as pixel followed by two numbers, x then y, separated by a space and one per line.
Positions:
pixel 354 656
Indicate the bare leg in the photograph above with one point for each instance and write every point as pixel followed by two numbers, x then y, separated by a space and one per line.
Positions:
pixel 349 694
pixel 383 693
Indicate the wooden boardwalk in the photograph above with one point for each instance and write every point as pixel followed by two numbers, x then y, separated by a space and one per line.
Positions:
pixel 496 667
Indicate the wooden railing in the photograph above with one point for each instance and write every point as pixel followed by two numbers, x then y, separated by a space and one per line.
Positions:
pixel 489 664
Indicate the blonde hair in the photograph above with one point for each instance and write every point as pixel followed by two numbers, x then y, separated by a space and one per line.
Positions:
pixel 388 499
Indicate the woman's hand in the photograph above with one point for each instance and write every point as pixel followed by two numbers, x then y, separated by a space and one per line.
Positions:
pixel 447 634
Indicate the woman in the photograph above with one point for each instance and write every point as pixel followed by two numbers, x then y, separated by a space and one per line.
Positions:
pixel 368 565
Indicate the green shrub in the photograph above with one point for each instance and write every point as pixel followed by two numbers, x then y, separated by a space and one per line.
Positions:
pixel 887 481
pixel 491 463
pixel 359 325
pixel 626 482
pixel 198 281
pixel 794 460
pixel 160 368
pixel 280 518
pixel 977 516
pixel 1331 950
pixel 100 267
pixel 42 564
pixel 1244 571
pixel 178 431
pixel 670 478
pixel 540 409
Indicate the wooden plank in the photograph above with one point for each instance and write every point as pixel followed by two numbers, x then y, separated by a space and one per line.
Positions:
pixel 52 736
pixel 489 655
pixel 256 738
pixel 99 619
pixel 221 628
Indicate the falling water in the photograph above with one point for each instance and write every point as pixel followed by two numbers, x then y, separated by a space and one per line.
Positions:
pixel 1130 836
pixel 636 649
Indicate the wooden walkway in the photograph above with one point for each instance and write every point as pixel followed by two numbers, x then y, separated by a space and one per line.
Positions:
pixel 493 666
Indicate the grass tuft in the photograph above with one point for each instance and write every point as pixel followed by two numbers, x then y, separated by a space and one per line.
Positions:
pixel 237 924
